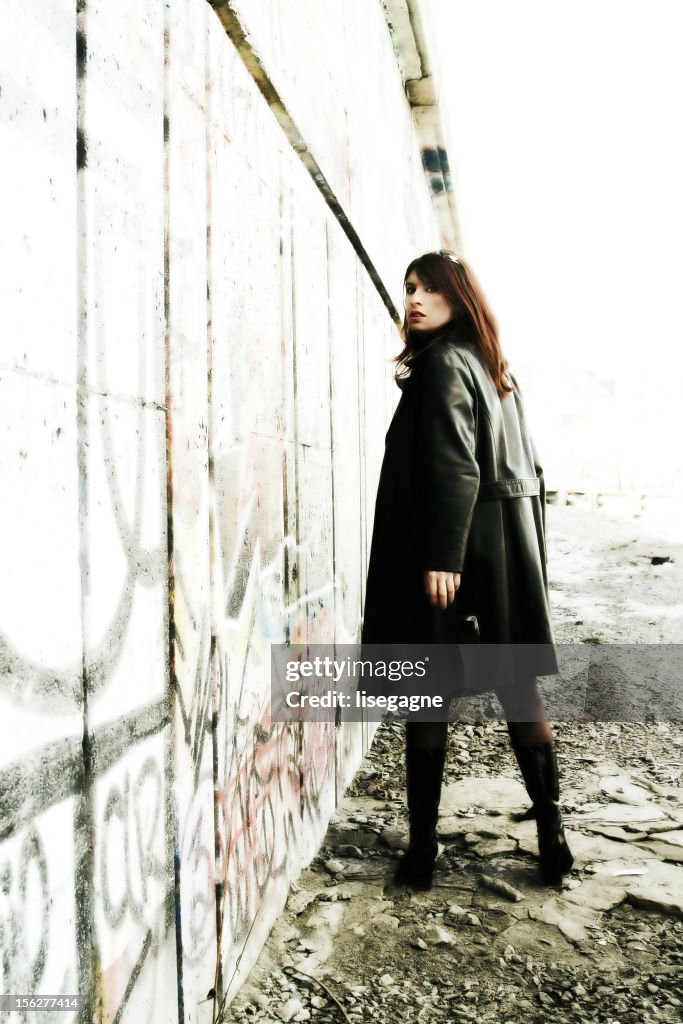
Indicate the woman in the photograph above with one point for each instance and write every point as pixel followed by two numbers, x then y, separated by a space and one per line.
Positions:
pixel 459 531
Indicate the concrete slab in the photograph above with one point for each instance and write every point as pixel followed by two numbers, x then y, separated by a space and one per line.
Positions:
pixel 663 850
pixel 621 789
pixel 533 937
pixel 619 814
pixel 659 888
pixel 674 836
pixel 589 848
pixel 495 847
pixel 456 826
pixel 475 791
pixel 572 919
pixel 615 832
pixel 597 893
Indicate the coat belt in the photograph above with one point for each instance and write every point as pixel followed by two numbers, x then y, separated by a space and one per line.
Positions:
pixel 518 488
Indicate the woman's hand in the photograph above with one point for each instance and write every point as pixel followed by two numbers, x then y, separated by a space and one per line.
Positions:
pixel 441 587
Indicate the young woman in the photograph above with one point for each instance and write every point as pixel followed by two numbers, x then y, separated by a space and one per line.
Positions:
pixel 459 530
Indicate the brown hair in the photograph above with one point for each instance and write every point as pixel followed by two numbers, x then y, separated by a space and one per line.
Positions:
pixel 453 278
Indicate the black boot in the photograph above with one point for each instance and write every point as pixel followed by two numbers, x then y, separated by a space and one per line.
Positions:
pixel 538 765
pixel 528 815
pixel 424 773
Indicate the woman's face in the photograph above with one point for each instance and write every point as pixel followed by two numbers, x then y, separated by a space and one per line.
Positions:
pixel 426 308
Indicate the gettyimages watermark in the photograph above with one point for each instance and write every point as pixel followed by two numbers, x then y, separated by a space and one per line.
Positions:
pixel 444 682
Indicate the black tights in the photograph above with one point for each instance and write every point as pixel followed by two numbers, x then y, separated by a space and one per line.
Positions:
pixel 527 721
pixel 427 735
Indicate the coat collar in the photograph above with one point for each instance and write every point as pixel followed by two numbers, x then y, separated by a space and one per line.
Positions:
pixel 454 331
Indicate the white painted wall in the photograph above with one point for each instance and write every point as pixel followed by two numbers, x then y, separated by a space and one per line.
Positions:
pixel 194 390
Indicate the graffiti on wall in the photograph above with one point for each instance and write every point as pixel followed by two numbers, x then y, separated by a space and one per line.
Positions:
pixel 186 466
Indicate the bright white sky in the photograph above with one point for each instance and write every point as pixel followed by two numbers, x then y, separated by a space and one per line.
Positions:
pixel 564 135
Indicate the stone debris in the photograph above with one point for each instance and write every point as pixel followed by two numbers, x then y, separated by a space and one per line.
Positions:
pixel 348 850
pixel 501 887
pixel 301 899
pixel 489 944
pixel 335 867
pixel 384 921
pixel 494 847
pixel 456 911
pixel 289 1010
pixel 435 935
pixel 455 955
pixel 395 838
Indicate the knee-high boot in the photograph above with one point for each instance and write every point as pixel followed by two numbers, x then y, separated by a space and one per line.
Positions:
pixel 538 765
pixel 424 774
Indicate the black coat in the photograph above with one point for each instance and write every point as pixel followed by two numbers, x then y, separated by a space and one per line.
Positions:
pixel 460 490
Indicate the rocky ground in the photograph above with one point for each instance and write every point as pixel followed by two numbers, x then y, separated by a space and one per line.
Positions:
pixel 489 943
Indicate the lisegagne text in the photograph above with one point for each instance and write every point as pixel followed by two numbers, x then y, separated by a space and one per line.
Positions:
pixel 359 699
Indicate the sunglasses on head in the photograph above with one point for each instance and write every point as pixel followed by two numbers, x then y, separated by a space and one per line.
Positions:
pixel 448 255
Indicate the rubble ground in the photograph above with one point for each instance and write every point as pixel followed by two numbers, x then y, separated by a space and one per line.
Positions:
pixel 489 943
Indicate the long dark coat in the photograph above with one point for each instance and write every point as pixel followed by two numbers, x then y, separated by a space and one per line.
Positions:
pixel 460 490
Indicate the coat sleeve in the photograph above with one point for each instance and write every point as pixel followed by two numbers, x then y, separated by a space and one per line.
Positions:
pixel 447 472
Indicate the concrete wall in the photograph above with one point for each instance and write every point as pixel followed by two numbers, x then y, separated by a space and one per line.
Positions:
pixel 194 390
